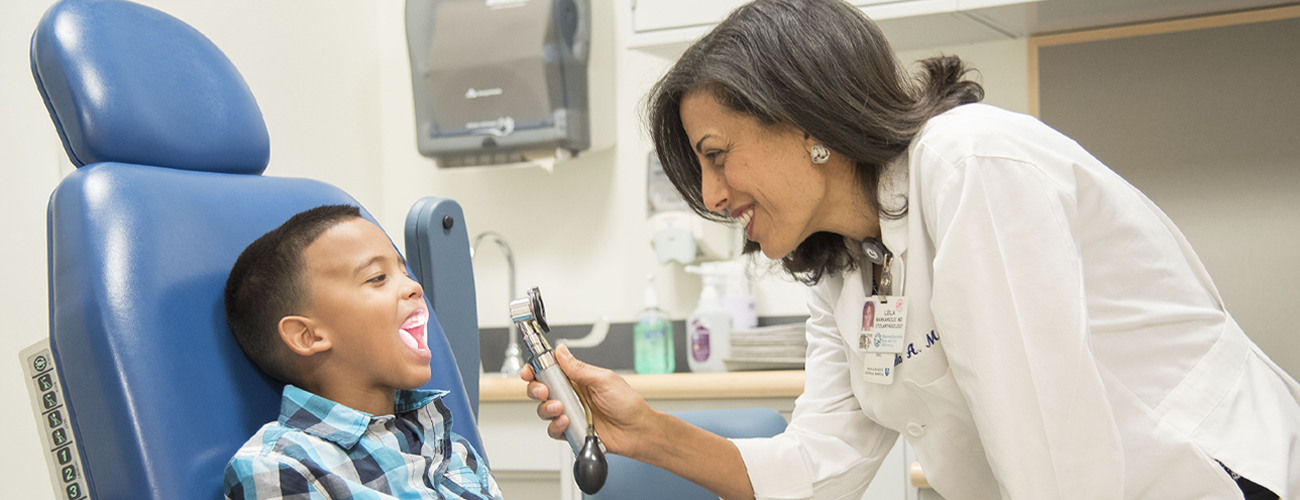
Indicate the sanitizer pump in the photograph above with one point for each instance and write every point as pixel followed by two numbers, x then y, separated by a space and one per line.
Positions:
pixel 652 337
pixel 725 304
pixel 708 332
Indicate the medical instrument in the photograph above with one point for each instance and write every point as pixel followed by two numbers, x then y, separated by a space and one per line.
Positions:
pixel 589 467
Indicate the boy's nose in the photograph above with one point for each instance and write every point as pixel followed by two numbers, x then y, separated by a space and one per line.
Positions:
pixel 413 289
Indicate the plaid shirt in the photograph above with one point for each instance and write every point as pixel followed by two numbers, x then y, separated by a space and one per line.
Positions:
pixel 320 449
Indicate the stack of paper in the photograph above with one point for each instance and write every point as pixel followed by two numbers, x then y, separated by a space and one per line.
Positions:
pixel 777 347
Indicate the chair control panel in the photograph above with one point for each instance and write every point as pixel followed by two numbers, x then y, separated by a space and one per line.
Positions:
pixel 60 451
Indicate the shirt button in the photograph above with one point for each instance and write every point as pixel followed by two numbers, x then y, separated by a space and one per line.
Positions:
pixel 915 430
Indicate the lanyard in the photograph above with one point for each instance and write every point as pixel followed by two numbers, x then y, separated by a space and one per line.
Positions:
pixel 877 253
pixel 884 319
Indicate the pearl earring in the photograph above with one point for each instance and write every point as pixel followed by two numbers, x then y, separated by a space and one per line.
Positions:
pixel 820 154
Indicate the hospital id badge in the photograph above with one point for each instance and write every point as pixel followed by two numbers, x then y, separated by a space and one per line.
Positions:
pixel 878 367
pixel 884 321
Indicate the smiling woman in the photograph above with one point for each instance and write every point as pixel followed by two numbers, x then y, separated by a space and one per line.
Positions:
pixel 862 106
pixel 1048 332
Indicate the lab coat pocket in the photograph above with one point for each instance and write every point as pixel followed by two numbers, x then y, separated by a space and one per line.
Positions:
pixel 948 408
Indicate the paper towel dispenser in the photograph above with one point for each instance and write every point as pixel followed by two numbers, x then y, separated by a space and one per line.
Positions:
pixel 499 81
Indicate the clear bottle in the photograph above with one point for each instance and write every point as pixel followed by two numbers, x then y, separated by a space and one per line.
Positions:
pixel 652 341
pixel 708 331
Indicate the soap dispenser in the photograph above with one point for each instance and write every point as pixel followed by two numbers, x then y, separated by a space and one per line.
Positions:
pixel 708 330
pixel 652 340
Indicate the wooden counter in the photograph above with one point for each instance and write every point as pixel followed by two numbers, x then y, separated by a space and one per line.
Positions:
pixel 734 385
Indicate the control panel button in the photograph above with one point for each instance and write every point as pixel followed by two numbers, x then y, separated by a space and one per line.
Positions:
pixel 64 455
pixel 45 382
pixel 59 437
pixel 69 473
pixel 49 400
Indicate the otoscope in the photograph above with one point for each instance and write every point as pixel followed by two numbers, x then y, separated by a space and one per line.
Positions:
pixel 589 468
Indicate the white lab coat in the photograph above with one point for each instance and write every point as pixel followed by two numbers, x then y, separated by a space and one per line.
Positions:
pixel 1064 341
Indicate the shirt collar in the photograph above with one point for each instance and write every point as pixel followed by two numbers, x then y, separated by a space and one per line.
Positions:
pixel 334 422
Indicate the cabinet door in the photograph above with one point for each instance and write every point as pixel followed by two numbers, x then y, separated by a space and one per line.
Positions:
pixel 651 15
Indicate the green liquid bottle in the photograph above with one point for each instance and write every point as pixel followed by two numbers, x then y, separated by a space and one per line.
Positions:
pixel 652 340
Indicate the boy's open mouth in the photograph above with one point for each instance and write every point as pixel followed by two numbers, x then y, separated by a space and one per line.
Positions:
pixel 413 330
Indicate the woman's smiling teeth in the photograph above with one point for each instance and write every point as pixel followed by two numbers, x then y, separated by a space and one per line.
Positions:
pixel 745 218
pixel 413 331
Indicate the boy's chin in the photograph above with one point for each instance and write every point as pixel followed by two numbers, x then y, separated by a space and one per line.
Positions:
pixel 418 379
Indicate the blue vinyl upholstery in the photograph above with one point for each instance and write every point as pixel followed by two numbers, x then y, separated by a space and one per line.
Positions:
pixel 437 249
pixel 127 83
pixel 633 480
pixel 141 240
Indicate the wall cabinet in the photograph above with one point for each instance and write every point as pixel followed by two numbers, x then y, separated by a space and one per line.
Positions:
pixel 908 24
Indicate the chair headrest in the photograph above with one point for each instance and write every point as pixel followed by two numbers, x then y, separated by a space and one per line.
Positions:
pixel 127 83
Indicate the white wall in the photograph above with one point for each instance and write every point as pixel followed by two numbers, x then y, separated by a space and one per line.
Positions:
pixel 579 232
pixel 313 66
pixel 31 170
pixel 333 82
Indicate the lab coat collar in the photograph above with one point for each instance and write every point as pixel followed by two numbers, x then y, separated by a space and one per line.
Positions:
pixel 893 232
pixel 895 187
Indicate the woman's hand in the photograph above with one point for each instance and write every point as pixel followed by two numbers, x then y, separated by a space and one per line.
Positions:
pixel 624 421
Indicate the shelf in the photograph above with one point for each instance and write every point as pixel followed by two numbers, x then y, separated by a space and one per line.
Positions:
pixel 735 385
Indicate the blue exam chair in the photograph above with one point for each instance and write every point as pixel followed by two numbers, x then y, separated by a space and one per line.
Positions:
pixel 170 146
pixel 632 480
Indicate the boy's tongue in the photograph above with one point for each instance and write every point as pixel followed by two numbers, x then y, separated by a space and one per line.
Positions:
pixel 413 331
pixel 409 340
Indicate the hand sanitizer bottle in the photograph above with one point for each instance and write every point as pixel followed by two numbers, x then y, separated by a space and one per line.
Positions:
pixel 708 330
pixel 652 341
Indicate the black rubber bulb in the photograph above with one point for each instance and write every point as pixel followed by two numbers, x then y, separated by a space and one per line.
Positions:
pixel 590 468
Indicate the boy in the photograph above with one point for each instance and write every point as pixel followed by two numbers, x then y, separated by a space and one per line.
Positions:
pixel 323 303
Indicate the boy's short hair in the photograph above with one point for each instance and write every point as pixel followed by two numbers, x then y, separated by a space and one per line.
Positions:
pixel 267 283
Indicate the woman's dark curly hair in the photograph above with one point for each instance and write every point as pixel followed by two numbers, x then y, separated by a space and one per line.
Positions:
pixel 823 67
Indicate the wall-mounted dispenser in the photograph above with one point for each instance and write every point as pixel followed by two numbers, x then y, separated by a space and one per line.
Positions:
pixel 499 81
pixel 676 232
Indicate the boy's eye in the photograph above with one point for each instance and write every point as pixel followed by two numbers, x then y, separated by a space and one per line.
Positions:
pixel 378 279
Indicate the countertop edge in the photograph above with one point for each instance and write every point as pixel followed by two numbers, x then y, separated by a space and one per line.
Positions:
pixel 731 385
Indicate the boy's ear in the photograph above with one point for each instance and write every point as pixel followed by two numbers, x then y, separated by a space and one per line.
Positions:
pixel 299 334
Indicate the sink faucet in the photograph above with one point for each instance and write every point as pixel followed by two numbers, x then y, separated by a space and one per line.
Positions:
pixel 514 356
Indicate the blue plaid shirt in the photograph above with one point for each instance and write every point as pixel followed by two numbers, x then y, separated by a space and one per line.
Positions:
pixel 321 449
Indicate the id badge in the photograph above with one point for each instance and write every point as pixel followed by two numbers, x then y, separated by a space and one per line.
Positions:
pixel 878 367
pixel 884 321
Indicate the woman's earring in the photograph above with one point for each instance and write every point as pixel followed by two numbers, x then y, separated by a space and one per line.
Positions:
pixel 820 154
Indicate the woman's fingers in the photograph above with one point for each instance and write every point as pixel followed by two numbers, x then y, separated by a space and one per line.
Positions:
pixel 618 411
pixel 537 391
pixel 577 371
pixel 549 410
pixel 557 427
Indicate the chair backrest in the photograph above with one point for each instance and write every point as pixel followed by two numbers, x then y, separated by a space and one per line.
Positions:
pixel 437 248
pixel 633 480
pixel 171 145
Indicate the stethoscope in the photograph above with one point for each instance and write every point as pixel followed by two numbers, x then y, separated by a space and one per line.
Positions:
pixel 589 468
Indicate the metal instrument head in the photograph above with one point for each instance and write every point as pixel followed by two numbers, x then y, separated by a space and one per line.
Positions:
pixel 530 308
